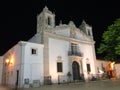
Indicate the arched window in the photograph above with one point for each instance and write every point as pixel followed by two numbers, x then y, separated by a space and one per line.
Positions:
pixel 49 21
pixel 89 32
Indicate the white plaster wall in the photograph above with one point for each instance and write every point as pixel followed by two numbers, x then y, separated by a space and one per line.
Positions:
pixel 65 32
pixel 29 66
pixel 105 64
pixel 88 53
pixel 17 62
pixel 1 68
pixel 100 63
pixel 11 69
pixel 58 48
pixel 33 64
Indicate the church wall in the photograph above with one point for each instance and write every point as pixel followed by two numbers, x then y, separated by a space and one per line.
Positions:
pixel 85 48
pixel 88 58
pixel 58 48
pixel 29 66
pixel 33 63
pixel 101 64
pixel 10 68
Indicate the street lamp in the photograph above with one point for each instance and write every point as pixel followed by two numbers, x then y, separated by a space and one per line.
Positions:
pixel 7 61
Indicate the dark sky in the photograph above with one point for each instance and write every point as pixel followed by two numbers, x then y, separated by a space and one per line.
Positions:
pixel 18 18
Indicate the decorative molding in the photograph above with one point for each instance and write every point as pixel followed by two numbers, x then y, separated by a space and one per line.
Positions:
pixel 73 31
pixel 59 59
pixel 46 10
pixel 67 38
pixel 22 43
pixel 87 61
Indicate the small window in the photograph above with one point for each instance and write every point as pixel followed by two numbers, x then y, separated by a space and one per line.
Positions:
pixel 59 67
pixel 88 68
pixel 33 51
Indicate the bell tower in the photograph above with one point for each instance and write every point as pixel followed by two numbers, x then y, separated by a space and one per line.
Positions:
pixel 86 29
pixel 45 20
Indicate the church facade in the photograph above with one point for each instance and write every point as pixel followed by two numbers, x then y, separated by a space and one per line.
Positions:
pixel 52 53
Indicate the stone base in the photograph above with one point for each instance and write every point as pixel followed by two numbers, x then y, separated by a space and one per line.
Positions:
pixel 26 86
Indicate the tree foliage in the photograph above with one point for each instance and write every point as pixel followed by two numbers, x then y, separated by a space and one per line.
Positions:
pixel 110 45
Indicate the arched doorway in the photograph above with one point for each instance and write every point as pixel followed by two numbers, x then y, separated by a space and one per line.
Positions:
pixel 76 71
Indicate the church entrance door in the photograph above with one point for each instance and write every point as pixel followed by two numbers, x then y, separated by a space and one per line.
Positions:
pixel 76 71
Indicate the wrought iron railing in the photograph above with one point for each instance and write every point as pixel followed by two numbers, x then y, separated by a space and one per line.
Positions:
pixel 75 53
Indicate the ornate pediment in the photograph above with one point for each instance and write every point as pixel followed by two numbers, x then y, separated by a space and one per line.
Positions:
pixel 70 32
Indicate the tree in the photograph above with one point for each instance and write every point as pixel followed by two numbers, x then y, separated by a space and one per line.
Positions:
pixel 110 45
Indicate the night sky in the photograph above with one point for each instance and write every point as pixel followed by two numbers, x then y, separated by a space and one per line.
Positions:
pixel 18 18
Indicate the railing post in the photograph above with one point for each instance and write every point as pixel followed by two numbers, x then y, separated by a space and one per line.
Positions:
pixel 58 79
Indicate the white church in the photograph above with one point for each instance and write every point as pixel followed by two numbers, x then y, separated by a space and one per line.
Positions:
pixel 52 53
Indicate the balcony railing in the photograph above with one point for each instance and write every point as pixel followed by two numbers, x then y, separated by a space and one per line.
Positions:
pixel 75 53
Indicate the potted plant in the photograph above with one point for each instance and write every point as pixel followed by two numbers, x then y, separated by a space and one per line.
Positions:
pixel 69 76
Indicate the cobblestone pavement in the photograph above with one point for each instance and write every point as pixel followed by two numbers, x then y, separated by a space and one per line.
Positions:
pixel 94 85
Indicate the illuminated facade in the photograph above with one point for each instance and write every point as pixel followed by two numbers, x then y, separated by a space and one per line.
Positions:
pixel 51 53
pixel 23 61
